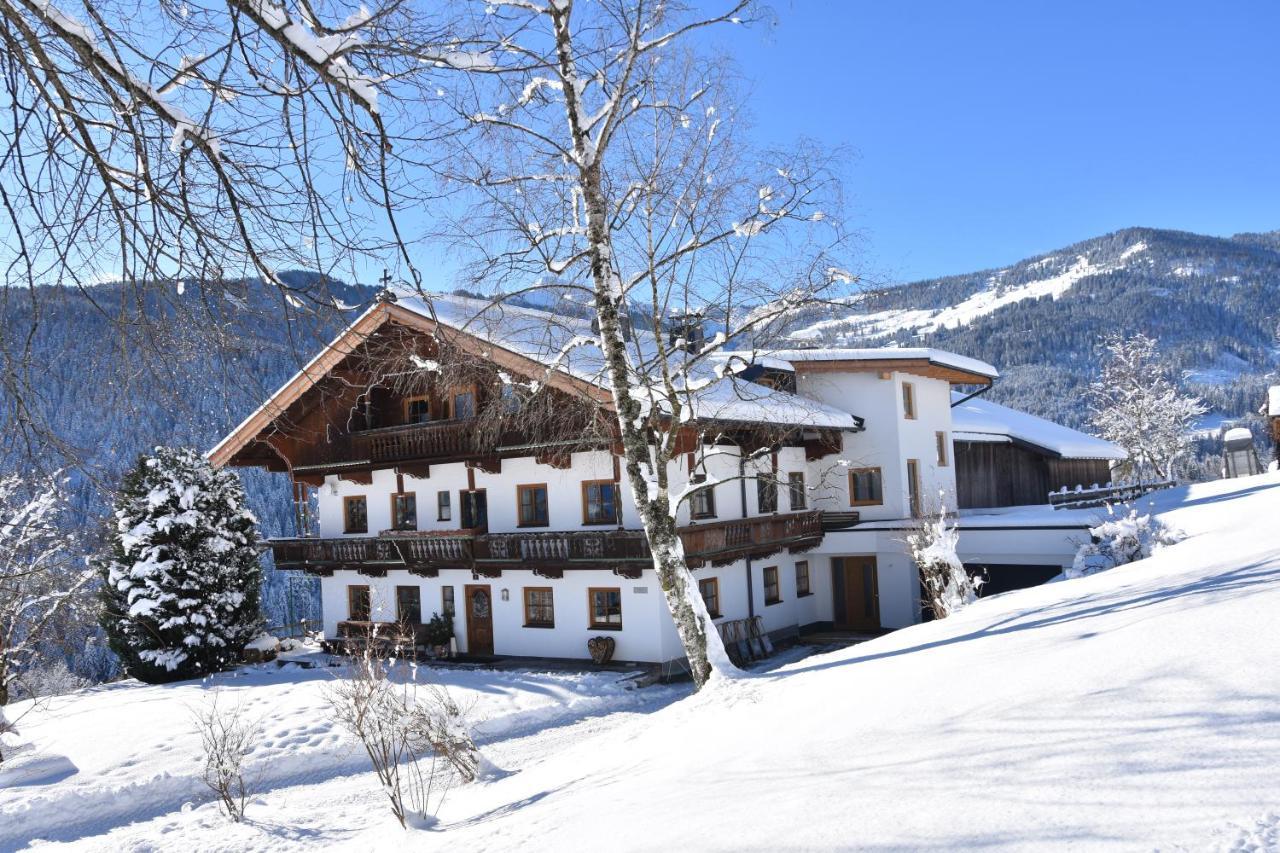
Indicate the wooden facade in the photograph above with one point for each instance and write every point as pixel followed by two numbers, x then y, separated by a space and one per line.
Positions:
pixel 994 474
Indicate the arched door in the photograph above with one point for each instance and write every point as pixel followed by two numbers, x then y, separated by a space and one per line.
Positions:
pixel 479 604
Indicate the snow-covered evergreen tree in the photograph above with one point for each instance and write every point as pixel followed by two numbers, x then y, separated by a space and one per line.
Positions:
pixel 1135 404
pixel 182 580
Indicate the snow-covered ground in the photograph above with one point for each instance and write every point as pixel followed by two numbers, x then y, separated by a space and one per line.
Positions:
pixel 1134 709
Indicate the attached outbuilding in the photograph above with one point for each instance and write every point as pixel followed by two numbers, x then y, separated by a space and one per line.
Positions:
pixel 1005 457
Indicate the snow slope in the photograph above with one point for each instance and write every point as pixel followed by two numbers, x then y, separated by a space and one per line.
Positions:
pixel 1134 709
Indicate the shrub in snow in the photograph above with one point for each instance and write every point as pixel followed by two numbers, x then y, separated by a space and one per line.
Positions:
pixel 1118 541
pixel 415 737
pixel 182 578
pixel 944 583
pixel 227 736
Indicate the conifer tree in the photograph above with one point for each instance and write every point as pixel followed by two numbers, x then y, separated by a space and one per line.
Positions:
pixel 182 580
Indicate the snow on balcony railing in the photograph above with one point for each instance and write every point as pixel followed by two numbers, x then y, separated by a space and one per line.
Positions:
pixel 1113 492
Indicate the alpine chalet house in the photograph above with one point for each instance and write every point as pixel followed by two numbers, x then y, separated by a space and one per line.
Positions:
pixel 464 461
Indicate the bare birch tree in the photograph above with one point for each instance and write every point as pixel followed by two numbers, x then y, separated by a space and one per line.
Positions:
pixel 595 147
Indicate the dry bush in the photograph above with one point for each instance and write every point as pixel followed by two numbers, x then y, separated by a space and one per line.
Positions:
pixel 414 736
pixel 227 736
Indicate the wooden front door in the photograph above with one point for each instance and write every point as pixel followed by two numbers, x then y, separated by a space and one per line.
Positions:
pixel 856 604
pixel 479 604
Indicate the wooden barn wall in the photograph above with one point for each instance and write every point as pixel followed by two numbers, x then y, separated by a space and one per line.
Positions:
pixel 990 474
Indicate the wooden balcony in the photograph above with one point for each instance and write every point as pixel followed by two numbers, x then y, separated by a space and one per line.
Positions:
pixel 721 542
pixel 548 553
pixel 439 439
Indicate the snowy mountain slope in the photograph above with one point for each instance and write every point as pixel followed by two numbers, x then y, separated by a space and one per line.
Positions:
pixel 1213 303
pixel 1135 709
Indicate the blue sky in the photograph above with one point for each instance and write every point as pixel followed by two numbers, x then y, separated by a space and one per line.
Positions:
pixel 986 132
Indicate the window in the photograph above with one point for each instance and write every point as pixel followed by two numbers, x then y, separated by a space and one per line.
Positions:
pixel 796 491
pixel 865 487
pixel 464 404
pixel 942 449
pixel 599 502
pixel 358 606
pixel 532 503
pixel 772 593
pixel 404 511
pixel 539 607
pixel 802 578
pixel 767 493
pixel 908 401
pixel 710 589
pixel 604 605
pixel 409 605
pixel 417 410
pixel 444 508
pixel 511 399
pixel 355 514
pixel 702 503
pixel 475 509
pixel 913 486
pixel 446 600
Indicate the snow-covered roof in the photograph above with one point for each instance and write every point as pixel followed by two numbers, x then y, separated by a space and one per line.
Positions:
pixel 555 338
pixel 565 344
pixel 1234 434
pixel 1273 401
pixel 942 358
pixel 978 417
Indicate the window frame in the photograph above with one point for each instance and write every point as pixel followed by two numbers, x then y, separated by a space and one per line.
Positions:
pixel 806 589
pixel 909 401
pixel 400 620
pixel 466 508
pixel 521 489
pixel 448 605
pixel 352 588
pixel 777 586
pixel 409 401
pixel 405 494
pixel 347 502
pixel 705 495
pixel 766 486
pixel 529 621
pixel 913 487
pixel 444 505
pixel 794 478
pixel 587 520
pixel 853 492
pixel 591 609
pixel 454 394
pixel 944 458
pixel 714 584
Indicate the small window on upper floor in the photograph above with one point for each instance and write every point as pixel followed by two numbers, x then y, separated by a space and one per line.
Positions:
pixel 464 405
pixel 942 449
pixel 766 493
pixel 796 490
pixel 444 507
pixel 702 503
pixel 908 401
pixel 531 502
pixel 417 410
pixel 404 511
pixel 710 589
pixel 355 514
pixel 865 487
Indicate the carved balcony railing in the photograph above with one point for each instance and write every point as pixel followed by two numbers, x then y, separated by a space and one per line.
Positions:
pixel 603 546
pixel 717 542
pixel 721 542
pixel 441 439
